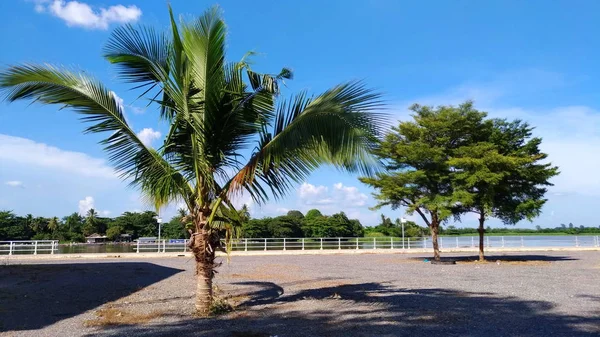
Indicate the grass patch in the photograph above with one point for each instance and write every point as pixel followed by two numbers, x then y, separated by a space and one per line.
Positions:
pixel 220 306
pixel 113 316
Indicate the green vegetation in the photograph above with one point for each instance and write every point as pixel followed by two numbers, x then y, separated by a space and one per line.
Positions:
pixel 450 161
pixel 504 174
pixel 561 230
pixel 229 131
pixel 296 225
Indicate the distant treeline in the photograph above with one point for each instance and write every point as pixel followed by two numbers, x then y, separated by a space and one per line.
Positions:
pixel 74 228
pixel 569 229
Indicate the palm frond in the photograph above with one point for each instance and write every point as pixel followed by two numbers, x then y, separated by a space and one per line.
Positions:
pixel 98 106
pixel 338 127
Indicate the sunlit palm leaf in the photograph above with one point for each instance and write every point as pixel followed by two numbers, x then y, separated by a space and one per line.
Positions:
pixel 130 157
pixel 338 127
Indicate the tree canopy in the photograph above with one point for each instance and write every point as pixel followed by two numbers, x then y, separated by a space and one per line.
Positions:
pixel 417 154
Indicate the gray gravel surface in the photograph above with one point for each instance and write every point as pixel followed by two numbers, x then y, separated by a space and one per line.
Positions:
pixel 551 294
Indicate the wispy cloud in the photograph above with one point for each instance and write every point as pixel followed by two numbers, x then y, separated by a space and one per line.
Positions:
pixel 28 152
pixel 80 14
pixel 15 183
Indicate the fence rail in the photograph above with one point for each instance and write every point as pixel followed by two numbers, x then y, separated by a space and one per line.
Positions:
pixel 28 247
pixel 341 243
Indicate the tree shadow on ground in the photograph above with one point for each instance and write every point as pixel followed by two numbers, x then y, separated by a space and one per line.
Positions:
pixel 34 296
pixel 504 258
pixel 375 309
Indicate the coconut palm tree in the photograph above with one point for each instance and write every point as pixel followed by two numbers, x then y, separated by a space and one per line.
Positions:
pixel 91 222
pixel 53 224
pixel 228 130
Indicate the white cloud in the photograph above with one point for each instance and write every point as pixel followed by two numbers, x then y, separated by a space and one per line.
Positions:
pixel 88 203
pixel 309 191
pixel 80 14
pixel 282 210
pixel 148 135
pixel 341 196
pixel 28 152
pixel 15 183
pixel 350 195
pixel 85 205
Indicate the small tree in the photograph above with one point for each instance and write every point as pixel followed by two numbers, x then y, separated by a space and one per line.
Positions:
pixel 505 175
pixel 417 153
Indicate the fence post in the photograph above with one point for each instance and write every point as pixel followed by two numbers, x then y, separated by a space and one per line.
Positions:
pixel 339 243
pixel 502 241
pixel 457 242
pixel 597 241
pixel 424 243
pixel 164 246
pixel 245 245
pixel 283 243
pixel 321 239
pixel 265 244
pixel 138 246
pixel 302 243
pixel 35 243
pixel 576 241
pixel 52 247
pixel 184 245
pixel 374 243
pixel 488 241
pixel 441 242
pixel 472 242
pixel 408 243
pixel 392 242
pixel 10 248
pixel 522 243
pixel 356 243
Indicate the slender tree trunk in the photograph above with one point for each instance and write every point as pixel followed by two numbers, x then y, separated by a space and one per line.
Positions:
pixel 204 252
pixel 481 231
pixel 435 226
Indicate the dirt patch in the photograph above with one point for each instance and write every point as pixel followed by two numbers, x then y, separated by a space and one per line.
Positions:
pixel 397 260
pixel 113 316
pixel 278 272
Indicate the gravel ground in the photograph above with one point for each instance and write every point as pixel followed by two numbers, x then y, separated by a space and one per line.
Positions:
pixel 554 294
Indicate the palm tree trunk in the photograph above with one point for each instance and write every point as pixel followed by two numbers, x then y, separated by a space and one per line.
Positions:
pixel 204 253
pixel 481 230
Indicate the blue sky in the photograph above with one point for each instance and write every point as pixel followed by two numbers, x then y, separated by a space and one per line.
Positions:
pixel 534 60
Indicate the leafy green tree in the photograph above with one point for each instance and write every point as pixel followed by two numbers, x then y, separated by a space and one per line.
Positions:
pixel 114 232
pixel 313 214
pixel 419 176
pixel 505 174
pixel 137 224
pixel 216 113
pixel 257 228
pixel 13 227
pixel 175 229
pixel 72 228
pixel 295 214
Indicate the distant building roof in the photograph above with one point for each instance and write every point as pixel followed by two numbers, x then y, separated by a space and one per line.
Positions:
pixel 96 236
pixel 125 235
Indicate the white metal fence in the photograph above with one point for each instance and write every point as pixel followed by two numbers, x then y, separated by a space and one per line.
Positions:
pixel 290 244
pixel 28 247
